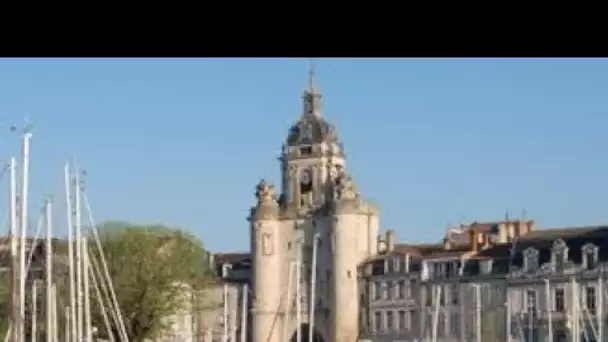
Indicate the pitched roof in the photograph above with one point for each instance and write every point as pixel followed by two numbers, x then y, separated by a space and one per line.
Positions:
pixel 542 240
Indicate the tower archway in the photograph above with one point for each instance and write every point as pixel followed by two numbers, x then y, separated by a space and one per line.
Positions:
pixel 305 335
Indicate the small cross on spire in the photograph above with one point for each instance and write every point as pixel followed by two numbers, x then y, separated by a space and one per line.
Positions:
pixel 311 75
pixel 312 97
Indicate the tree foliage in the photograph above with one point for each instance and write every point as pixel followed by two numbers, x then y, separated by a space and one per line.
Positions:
pixel 151 268
pixel 5 304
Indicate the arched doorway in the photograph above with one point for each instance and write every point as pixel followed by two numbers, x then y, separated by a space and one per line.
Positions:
pixel 304 335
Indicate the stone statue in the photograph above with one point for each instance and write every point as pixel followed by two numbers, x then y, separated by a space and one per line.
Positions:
pixel 344 188
pixel 264 191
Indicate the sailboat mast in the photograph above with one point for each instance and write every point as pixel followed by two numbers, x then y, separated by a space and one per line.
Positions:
pixel 225 332
pixel 313 287
pixel 87 298
pixel 478 312
pixel 34 310
pixel 600 307
pixel 299 290
pixel 23 207
pixel 78 245
pixel 288 303
pixel 15 268
pixel 68 204
pixel 49 269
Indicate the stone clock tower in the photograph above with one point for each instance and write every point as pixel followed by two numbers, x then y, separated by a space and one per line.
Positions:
pixel 318 202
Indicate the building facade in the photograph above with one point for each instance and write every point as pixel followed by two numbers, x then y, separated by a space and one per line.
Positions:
pixel 504 279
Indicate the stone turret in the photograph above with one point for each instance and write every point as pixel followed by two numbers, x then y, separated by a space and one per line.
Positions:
pixel 268 254
pixel 354 232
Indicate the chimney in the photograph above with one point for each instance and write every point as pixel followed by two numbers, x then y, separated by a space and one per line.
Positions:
pixel 447 242
pixel 390 240
pixel 474 240
pixel 381 244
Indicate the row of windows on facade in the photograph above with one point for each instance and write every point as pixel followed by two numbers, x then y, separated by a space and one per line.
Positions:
pixel 402 264
pixel 389 320
pixel 395 264
pixel 588 297
pixel 559 256
pixel 385 321
pixel 387 290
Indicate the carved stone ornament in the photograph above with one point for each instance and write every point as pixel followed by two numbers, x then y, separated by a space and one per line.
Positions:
pixel 264 191
pixel 345 189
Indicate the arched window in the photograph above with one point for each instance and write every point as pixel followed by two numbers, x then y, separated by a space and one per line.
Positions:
pixel 589 256
pixel 530 259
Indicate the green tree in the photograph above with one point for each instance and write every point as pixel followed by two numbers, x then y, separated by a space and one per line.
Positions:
pixel 153 269
pixel 5 304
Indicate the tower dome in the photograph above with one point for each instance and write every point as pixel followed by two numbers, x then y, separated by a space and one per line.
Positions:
pixel 311 128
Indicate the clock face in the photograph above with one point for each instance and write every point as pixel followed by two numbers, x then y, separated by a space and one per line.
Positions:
pixel 306 176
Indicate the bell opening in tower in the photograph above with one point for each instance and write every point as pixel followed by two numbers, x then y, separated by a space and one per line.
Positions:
pixel 306 181
pixel 306 150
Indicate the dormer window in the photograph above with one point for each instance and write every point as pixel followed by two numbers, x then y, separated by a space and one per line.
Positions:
pixel 530 259
pixel 559 255
pixel 589 256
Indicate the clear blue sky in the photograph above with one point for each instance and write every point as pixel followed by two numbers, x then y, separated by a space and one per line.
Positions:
pixel 184 141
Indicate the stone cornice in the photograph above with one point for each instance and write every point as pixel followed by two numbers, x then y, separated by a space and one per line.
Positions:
pixel 264 211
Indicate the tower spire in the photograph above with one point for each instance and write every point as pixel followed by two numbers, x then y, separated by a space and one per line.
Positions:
pixel 312 97
pixel 311 75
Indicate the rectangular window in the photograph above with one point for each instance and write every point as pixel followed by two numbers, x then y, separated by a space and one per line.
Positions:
pixel 389 320
pixel 450 269
pixel 384 290
pixel 396 264
pixel 590 259
pixel 439 270
pixel 378 320
pixel 531 301
pixel 410 288
pixel 378 268
pixel 441 325
pixel 390 288
pixel 454 293
pixel 401 286
pixel 559 300
pixel 454 323
pixel 559 259
pixel 377 290
pixel 389 264
pixel 428 295
pixel 402 322
pixel 590 299
pixel 408 319
pixel 441 290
